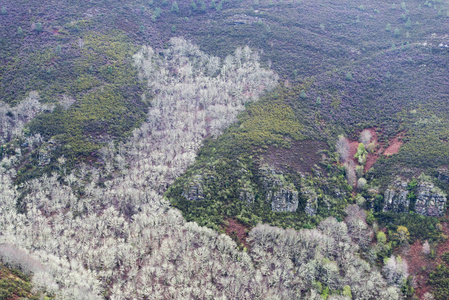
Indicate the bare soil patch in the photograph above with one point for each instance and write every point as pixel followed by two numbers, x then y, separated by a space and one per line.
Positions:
pixel 419 267
pixel 237 231
pixel 301 156
pixel 394 147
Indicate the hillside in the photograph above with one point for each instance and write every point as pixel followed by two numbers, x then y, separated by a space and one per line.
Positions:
pixel 251 148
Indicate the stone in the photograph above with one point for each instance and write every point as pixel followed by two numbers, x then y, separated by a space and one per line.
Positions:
pixel 443 174
pixel 281 193
pixel 246 195
pixel 430 201
pixel 396 199
pixel 311 201
pixel 194 191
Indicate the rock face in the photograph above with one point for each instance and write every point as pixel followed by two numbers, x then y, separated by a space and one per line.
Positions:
pixel 246 195
pixel 396 198
pixel 312 200
pixel 194 191
pixel 443 174
pixel 283 200
pixel 430 201
pixel 281 193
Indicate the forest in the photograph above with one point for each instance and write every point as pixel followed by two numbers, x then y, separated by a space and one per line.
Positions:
pixel 233 149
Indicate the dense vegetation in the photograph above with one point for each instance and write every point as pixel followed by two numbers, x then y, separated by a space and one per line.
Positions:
pixel 291 131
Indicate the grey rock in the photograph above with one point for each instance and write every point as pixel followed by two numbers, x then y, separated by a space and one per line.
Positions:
pixel 283 200
pixel 443 174
pixel 246 195
pixel 430 201
pixel 281 193
pixel 396 198
pixel 311 202
pixel 194 191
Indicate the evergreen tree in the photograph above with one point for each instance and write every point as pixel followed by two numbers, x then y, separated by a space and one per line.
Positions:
pixel 193 5
pixel 174 7
pixel 38 27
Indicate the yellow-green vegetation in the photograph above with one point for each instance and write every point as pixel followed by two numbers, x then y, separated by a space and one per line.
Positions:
pixel 14 284
pixel 108 57
pixel 269 123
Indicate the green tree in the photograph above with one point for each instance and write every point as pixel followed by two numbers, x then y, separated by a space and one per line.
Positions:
pixel 347 291
pixel 402 234
pixel 174 7
pixel 361 154
pixel 193 5
pixel 157 12
pixel 349 76
pixel 408 24
pixel 388 27
pixel 381 237
pixel 19 31
pixel 219 6
pixel 38 27
pixel 202 6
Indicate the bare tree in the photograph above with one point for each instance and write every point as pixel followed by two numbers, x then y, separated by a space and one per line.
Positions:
pixel 342 147
pixel 365 137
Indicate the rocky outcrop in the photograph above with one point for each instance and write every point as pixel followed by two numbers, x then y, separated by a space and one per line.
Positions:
pixel 311 200
pixel 396 199
pixel 246 195
pixel 281 193
pixel 430 201
pixel 443 174
pixel 44 154
pixel 194 190
pixel 284 199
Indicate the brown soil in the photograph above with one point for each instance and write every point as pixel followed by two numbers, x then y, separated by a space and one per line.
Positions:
pixel 353 145
pixel 301 156
pixel 237 231
pixel 420 266
pixel 394 147
pixel 373 157
pixel 371 160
